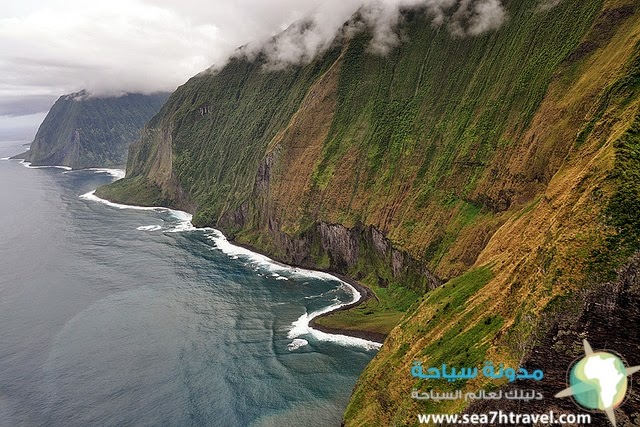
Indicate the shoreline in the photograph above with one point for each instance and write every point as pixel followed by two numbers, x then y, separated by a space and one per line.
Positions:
pixel 23 159
pixel 365 294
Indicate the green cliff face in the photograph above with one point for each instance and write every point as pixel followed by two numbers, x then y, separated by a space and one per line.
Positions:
pixel 481 186
pixel 81 131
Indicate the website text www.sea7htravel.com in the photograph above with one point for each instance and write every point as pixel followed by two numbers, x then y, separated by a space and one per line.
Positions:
pixel 505 418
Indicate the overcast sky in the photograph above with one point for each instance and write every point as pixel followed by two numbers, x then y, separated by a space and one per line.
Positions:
pixel 54 47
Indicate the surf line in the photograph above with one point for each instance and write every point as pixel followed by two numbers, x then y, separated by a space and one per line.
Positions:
pixel 115 173
pixel 30 166
pixel 300 327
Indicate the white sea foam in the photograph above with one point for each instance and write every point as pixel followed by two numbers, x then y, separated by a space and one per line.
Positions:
pixel 301 326
pixel 296 344
pixel 184 218
pixel 273 267
pixel 116 173
pixel 28 165
pixel 184 221
pixel 91 195
pixel 149 228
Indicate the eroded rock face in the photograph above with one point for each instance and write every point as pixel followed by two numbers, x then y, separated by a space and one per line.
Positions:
pixel 380 242
pixel 341 243
pixel 356 252
pixel 344 247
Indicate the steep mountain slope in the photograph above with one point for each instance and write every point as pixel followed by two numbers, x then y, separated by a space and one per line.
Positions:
pixel 547 278
pixel 505 165
pixel 82 131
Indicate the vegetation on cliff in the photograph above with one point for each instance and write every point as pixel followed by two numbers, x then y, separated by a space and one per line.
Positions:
pixel 479 185
pixel 82 131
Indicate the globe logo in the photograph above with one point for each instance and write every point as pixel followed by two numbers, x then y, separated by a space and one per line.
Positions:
pixel 598 381
pixel 604 379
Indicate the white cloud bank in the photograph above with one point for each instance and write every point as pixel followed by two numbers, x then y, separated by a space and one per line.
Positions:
pixel 306 38
pixel 52 47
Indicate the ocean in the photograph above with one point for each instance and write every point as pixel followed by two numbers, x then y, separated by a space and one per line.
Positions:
pixel 116 316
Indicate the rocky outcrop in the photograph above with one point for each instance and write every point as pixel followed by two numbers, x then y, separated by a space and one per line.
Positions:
pixel 356 252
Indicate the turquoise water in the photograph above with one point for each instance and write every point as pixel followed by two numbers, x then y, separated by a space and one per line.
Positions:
pixel 124 317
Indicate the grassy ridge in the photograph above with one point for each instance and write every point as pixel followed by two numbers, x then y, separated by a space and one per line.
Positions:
pixel 434 114
pixel 623 210
pixel 220 124
pixel 415 140
pixel 441 313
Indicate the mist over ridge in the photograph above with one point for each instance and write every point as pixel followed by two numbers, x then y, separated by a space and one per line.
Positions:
pixel 305 39
pixel 52 47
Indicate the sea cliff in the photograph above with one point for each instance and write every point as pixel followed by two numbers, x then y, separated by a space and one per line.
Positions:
pixel 480 186
pixel 82 130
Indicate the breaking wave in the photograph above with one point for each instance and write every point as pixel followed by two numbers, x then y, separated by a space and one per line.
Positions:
pixel 301 326
pixel 279 271
pixel 28 165
pixel 149 228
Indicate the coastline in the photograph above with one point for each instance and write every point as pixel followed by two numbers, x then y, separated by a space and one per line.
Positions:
pixel 117 172
pixel 365 294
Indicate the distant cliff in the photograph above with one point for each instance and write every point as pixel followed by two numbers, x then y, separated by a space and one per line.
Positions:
pixel 83 131
pixel 481 186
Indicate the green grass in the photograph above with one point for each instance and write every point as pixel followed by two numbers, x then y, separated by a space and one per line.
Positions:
pixel 223 124
pixel 463 94
pixel 371 316
pixel 378 315
pixel 622 213
pixel 464 343
pixel 449 298
pixel 135 191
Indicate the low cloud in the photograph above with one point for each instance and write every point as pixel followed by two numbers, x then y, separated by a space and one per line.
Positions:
pixel 546 5
pixel 52 47
pixel 305 39
pixel 105 47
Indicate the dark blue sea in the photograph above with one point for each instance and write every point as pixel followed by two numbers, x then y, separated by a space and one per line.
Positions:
pixel 111 316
